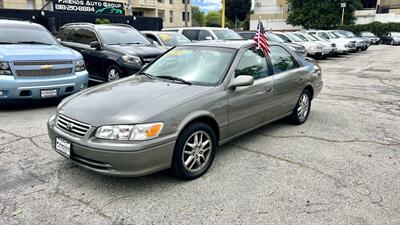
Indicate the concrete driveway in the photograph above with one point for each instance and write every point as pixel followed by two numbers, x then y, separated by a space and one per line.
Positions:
pixel 341 167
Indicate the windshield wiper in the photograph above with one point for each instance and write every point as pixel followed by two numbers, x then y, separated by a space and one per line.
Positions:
pixel 146 74
pixel 176 79
pixel 33 42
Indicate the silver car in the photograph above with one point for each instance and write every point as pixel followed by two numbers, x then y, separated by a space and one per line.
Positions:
pixel 181 107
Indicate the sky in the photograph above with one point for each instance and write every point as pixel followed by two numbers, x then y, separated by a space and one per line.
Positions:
pixel 209 5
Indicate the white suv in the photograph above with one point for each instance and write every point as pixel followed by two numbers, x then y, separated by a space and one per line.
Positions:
pixel 206 33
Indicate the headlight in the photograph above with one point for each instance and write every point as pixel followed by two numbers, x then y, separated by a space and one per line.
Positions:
pixel 79 65
pixel 137 132
pixel 132 59
pixel 5 68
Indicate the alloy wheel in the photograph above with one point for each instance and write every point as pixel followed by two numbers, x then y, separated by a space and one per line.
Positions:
pixel 113 74
pixel 197 151
pixel 303 107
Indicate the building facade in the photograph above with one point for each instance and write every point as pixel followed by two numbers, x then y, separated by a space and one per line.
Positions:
pixel 171 11
pixel 273 14
pixel 378 10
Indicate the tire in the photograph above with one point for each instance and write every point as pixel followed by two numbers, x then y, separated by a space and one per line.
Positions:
pixel 392 42
pixel 298 118
pixel 201 158
pixel 113 73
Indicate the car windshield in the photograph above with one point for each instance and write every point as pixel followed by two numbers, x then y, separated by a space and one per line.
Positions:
pixel 274 38
pixel 348 34
pixel 301 37
pixel 226 34
pixel 294 37
pixel 198 65
pixel 122 36
pixel 26 35
pixel 336 35
pixel 367 34
pixel 310 37
pixel 173 39
pixel 397 35
pixel 318 37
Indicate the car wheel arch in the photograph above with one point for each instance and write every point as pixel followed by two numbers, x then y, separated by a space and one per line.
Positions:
pixel 206 118
pixel 311 90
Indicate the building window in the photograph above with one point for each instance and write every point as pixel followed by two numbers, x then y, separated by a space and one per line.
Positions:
pixel 183 16
pixel 160 1
pixel 1 4
pixel 171 16
pixel 171 1
pixel 188 1
pixel 138 13
pixel 30 4
pixel 161 14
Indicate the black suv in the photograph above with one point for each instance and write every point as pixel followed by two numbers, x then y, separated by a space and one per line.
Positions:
pixel 110 51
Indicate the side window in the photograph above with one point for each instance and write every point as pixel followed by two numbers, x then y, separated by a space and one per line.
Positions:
pixel 79 36
pixel 204 35
pixel 282 60
pixel 253 63
pixel 191 34
pixel 154 39
pixel 90 36
pixel 65 35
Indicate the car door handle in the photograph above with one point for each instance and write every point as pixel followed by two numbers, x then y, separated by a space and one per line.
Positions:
pixel 269 90
pixel 300 80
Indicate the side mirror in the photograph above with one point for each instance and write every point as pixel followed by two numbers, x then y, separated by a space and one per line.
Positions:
pixel 95 45
pixel 59 40
pixel 242 80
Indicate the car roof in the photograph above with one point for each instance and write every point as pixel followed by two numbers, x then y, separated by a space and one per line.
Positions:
pixel 110 25
pixel 18 23
pixel 234 44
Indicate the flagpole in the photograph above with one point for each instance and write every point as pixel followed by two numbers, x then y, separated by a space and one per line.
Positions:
pixel 259 31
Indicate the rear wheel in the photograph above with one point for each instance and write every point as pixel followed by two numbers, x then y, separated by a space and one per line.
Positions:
pixel 302 108
pixel 194 151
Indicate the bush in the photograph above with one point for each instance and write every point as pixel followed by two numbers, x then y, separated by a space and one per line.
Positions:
pixel 377 28
pixel 102 21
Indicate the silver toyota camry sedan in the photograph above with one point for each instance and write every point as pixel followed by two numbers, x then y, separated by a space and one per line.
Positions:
pixel 181 107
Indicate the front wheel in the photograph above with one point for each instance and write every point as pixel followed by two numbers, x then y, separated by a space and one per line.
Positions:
pixel 302 108
pixel 113 73
pixel 194 151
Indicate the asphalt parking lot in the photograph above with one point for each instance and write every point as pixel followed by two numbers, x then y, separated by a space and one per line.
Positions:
pixel 341 167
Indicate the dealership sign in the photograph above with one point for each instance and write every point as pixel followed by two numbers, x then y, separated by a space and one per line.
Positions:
pixel 89 6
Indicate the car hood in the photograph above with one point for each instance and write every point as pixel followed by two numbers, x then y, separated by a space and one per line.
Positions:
pixel 143 51
pixel 127 101
pixel 37 52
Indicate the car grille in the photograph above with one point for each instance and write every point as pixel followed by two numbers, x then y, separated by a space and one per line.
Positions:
pixel 43 72
pixel 41 63
pixel 72 126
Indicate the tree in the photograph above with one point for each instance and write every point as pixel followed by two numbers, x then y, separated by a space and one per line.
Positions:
pixel 321 14
pixel 237 10
pixel 198 17
pixel 213 19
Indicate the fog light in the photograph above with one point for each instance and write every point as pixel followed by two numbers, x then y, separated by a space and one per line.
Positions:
pixel 1 93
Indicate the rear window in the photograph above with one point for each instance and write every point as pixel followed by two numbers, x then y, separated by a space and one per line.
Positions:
pixel 191 34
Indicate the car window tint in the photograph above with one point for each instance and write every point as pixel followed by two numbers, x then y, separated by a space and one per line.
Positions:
pixel 203 34
pixel 151 37
pixel 283 37
pixel 253 63
pixel 90 36
pixel 282 60
pixel 191 34
pixel 324 35
pixel 65 35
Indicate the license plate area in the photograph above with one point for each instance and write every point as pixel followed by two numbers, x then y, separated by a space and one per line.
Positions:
pixel 63 147
pixel 48 93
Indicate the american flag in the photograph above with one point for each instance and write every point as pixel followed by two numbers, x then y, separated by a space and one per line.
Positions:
pixel 261 37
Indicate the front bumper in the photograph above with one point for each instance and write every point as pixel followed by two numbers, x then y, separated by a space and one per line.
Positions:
pixel 132 159
pixel 15 89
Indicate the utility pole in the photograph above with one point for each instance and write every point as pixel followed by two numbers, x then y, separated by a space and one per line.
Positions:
pixel 186 13
pixel 343 5
pixel 223 14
